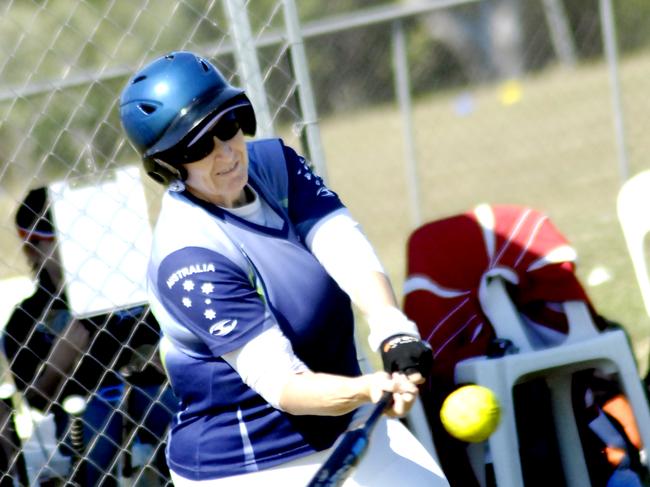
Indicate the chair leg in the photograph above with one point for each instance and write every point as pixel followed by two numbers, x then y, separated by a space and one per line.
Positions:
pixel 570 445
pixel 477 454
pixel 637 398
pixel 507 468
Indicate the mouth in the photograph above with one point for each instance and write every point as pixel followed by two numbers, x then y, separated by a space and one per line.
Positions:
pixel 229 169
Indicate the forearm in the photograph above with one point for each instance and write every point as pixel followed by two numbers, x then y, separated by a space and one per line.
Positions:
pixel 324 394
pixel 334 395
pixel 268 365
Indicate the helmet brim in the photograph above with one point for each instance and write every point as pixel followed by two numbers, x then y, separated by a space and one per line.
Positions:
pixel 190 117
pixel 212 119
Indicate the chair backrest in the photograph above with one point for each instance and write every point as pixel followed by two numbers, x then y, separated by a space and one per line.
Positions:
pixel 498 306
pixel 451 263
pixel 633 207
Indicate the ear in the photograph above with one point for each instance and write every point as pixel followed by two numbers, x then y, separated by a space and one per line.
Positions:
pixel 161 172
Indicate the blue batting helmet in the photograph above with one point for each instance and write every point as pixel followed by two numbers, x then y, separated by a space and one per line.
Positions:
pixel 164 101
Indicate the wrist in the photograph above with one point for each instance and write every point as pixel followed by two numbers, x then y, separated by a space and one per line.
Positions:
pixel 376 383
pixel 388 321
pixel 408 355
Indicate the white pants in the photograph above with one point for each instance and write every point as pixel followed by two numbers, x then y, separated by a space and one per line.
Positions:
pixel 394 457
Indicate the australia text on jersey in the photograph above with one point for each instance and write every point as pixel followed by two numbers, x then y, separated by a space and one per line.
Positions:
pixel 188 271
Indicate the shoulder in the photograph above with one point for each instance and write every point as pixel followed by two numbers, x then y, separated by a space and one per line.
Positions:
pixel 196 261
pixel 268 159
pixel 183 225
pixel 272 156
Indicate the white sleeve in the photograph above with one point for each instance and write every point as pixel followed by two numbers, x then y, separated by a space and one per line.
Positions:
pixel 265 363
pixel 342 248
pixel 340 245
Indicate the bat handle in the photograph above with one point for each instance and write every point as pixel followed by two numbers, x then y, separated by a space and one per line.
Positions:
pixel 384 402
pixel 348 452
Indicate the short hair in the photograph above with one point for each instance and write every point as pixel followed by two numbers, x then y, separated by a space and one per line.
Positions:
pixel 33 218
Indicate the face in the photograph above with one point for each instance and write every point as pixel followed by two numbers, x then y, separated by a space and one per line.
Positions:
pixel 43 257
pixel 221 176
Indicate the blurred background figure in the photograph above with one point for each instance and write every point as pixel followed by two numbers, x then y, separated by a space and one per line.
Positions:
pixel 109 360
pixel 40 341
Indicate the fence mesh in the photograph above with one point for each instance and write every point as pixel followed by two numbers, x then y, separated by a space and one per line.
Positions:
pixel 498 116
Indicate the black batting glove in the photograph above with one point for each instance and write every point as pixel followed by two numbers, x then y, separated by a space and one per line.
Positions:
pixel 406 354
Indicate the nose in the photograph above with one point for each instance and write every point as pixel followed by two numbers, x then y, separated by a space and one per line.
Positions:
pixel 222 148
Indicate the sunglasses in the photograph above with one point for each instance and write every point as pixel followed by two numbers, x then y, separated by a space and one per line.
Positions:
pixel 200 143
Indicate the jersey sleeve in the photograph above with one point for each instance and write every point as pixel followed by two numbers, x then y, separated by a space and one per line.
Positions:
pixel 309 199
pixel 212 297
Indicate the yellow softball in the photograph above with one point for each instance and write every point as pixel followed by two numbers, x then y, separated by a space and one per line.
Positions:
pixel 471 413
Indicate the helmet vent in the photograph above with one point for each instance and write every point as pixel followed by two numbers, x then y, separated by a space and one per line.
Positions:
pixel 169 56
pixel 204 65
pixel 138 79
pixel 147 108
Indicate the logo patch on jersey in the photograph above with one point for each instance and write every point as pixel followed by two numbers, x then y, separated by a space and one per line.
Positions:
pixel 188 271
pixel 223 327
pixel 323 191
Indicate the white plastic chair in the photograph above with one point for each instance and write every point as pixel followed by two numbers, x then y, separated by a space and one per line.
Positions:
pixel 584 348
pixel 633 206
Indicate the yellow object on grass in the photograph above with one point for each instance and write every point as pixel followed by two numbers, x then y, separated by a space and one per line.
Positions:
pixel 510 92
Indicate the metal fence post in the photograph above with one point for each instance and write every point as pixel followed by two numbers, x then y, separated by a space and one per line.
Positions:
pixel 609 41
pixel 305 93
pixel 402 87
pixel 561 36
pixel 249 66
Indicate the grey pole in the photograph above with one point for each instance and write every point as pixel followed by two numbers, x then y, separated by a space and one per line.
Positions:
pixel 401 71
pixel 248 63
pixel 561 36
pixel 305 93
pixel 609 40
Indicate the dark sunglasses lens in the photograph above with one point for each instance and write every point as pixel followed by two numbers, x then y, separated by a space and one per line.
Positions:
pixel 181 154
pixel 200 149
pixel 226 129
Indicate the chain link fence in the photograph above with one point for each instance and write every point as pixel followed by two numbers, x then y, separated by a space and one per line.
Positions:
pixel 500 101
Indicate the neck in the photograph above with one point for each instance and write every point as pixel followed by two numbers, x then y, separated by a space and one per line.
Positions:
pixel 244 197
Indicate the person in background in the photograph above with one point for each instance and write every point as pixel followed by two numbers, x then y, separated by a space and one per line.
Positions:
pixel 254 266
pixel 41 341
pixel 52 356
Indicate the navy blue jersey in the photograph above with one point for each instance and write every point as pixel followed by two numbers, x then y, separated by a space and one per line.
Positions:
pixel 216 281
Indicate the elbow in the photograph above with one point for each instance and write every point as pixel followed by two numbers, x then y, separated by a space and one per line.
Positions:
pixel 293 409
